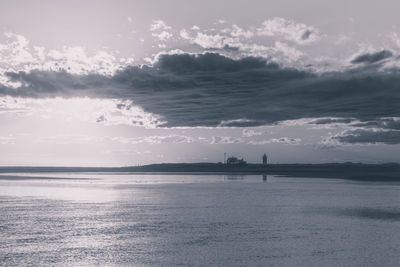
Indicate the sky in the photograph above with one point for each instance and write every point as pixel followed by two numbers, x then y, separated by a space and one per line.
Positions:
pixel 121 83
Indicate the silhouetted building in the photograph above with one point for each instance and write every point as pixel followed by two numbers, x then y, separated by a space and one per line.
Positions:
pixel 265 159
pixel 235 161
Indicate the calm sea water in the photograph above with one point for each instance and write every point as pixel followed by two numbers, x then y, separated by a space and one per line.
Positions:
pixel 210 220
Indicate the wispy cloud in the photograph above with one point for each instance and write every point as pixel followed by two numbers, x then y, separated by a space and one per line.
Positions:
pixel 155 139
pixel 290 30
pixel 159 25
pixel 249 132
pixel 7 140
pixel 17 54
pixel 281 140
pixel 226 140
pixel 162 36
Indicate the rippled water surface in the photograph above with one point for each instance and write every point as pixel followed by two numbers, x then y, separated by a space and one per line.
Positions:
pixel 130 219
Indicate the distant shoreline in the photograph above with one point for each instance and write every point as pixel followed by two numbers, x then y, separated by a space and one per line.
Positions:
pixel 354 171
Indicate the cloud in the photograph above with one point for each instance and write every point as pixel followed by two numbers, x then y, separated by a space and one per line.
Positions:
pixel 104 111
pixel 237 31
pixel 288 51
pixel 7 140
pixel 86 139
pixel 205 40
pixel 372 57
pixel 382 123
pixel 213 90
pixel 278 39
pixel 67 139
pixel 250 132
pixel 239 41
pixel 155 139
pixel 331 120
pixel 159 25
pixel 16 50
pixel 281 140
pixel 17 54
pixel 384 130
pixel 162 36
pixel 11 105
pixel 370 136
pixel 226 140
pixel 161 31
pixel 395 38
pixel 238 123
pixel 290 30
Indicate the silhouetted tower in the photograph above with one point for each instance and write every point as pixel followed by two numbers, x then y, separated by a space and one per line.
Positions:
pixel 265 159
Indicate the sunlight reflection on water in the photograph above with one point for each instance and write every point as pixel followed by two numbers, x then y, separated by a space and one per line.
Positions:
pixel 116 219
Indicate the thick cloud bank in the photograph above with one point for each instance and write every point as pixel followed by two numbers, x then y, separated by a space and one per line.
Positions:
pixel 211 90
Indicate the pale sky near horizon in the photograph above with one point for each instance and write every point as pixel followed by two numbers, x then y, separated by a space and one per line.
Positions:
pixel 111 83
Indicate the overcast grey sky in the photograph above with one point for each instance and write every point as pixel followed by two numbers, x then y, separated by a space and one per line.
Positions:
pixel 109 83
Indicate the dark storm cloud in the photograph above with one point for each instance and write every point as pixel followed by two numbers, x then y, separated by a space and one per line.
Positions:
pixel 369 136
pixel 212 90
pixel 372 57
pixel 210 63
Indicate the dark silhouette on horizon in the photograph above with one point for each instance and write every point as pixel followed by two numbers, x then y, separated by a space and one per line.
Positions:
pixel 354 171
pixel 265 159
pixel 235 161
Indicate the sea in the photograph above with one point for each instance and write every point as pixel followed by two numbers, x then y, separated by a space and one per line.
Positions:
pixel 127 219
